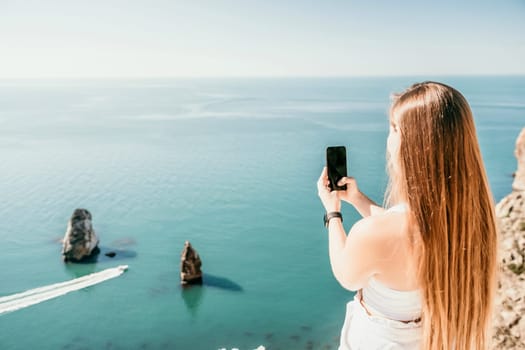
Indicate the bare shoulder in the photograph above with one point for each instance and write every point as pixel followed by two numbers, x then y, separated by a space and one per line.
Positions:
pixel 379 234
pixel 377 246
pixel 382 227
pixel 368 249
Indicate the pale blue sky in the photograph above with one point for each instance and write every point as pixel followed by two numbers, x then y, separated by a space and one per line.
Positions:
pixel 156 38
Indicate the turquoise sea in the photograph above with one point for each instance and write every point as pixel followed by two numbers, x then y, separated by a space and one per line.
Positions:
pixel 228 164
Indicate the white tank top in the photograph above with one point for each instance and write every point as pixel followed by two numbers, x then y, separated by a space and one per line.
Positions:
pixel 390 303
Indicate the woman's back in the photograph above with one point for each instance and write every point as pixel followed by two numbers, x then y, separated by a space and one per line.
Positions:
pixel 397 267
pixel 393 292
pixel 386 311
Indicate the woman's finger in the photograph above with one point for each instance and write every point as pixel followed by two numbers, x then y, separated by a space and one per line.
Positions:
pixel 345 181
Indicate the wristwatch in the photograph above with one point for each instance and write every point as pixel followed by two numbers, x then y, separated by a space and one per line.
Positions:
pixel 331 215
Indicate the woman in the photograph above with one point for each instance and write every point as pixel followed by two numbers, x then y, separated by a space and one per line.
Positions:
pixel 425 268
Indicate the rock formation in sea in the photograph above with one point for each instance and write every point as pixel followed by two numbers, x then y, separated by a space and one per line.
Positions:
pixel 190 265
pixel 509 315
pixel 80 242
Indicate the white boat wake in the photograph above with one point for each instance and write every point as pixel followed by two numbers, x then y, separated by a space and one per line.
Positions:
pixel 34 296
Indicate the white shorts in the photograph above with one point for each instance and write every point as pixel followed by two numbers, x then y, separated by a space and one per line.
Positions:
pixel 364 332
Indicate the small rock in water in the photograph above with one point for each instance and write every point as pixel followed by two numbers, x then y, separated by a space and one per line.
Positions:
pixel 190 265
pixel 110 254
pixel 80 241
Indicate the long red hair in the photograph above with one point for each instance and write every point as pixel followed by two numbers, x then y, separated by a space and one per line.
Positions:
pixel 440 174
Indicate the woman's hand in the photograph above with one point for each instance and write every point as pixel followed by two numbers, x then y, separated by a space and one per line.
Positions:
pixel 351 194
pixel 364 205
pixel 330 200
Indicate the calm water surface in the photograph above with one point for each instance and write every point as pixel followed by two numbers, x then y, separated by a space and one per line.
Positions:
pixel 230 165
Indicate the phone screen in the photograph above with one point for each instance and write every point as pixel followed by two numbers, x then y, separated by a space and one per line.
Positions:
pixel 336 164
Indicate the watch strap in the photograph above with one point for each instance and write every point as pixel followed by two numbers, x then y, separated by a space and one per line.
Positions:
pixel 333 214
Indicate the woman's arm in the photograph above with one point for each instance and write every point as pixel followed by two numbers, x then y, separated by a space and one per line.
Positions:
pixel 352 257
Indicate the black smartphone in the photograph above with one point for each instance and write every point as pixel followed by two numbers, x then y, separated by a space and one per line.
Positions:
pixel 336 164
